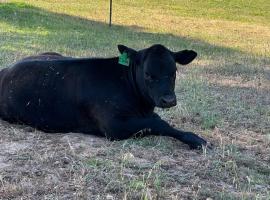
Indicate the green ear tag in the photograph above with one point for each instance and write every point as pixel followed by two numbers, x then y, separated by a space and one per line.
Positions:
pixel 123 59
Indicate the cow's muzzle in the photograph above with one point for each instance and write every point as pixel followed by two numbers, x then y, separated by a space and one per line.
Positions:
pixel 167 101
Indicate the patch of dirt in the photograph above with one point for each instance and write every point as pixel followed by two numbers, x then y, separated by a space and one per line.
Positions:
pixel 7 149
pixel 63 166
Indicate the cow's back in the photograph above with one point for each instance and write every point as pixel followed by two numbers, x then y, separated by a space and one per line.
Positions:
pixel 45 56
pixel 63 94
pixel 38 93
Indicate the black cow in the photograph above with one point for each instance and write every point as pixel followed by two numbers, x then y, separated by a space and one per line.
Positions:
pixel 111 97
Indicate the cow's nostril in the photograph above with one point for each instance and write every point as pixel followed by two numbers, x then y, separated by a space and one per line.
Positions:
pixel 168 100
pixel 164 101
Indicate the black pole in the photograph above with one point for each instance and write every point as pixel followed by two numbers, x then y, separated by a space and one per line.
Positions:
pixel 110 24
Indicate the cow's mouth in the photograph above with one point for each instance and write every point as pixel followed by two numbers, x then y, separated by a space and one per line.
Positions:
pixel 167 101
pixel 166 106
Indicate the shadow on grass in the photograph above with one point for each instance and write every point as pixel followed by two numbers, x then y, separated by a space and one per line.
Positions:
pixel 243 108
pixel 29 30
pixel 247 71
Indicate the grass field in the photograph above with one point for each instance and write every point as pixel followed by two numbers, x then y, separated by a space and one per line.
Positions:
pixel 224 96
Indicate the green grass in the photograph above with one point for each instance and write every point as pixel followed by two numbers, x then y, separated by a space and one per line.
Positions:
pixel 223 95
pixel 244 22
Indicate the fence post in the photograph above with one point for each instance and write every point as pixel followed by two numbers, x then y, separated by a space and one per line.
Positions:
pixel 110 23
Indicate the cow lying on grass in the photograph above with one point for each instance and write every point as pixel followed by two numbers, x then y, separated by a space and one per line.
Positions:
pixel 111 97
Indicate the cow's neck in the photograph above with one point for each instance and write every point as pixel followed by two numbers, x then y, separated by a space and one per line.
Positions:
pixel 139 89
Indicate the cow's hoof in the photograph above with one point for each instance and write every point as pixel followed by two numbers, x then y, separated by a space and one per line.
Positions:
pixel 196 142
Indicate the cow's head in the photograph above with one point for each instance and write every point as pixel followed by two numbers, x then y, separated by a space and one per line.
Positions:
pixel 156 71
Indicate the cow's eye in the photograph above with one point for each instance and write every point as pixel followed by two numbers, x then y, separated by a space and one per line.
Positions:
pixel 149 77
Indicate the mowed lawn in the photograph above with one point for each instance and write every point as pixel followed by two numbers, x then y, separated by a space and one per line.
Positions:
pixel 224 96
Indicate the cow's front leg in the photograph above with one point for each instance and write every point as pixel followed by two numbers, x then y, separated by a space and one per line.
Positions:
pixel 122 129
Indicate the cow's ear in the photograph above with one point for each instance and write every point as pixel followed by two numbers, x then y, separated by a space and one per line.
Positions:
pixel 184 57
pixel 131 52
